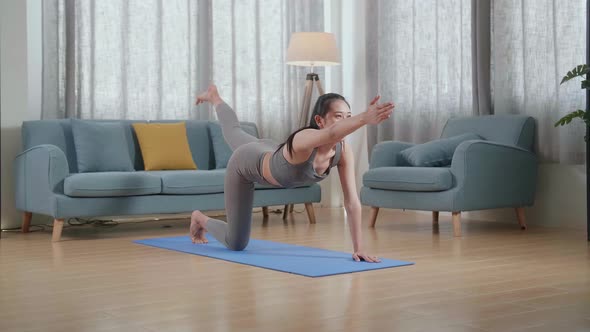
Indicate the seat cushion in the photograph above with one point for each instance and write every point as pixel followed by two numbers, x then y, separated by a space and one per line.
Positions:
pixel 197 182
pixel 164 146
pixel 187 182
pixel 409 178
pixel 435 153
pixel 101 146
pixel 112 184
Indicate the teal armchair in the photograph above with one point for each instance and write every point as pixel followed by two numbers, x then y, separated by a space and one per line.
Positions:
pixel 497 171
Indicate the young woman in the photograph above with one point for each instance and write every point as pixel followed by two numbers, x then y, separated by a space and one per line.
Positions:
pixel 306 157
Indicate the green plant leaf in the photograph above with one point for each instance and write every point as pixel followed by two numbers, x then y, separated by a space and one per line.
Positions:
pixel 577 71
pixel 586 84
pixel 573 115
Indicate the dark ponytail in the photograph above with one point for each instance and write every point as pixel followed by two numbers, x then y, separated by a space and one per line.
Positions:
pixel 321 108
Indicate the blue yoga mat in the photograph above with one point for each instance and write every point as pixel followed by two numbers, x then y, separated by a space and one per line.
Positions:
pixel 306 261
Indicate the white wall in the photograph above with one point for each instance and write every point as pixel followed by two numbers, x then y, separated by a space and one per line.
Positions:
pixel 20 67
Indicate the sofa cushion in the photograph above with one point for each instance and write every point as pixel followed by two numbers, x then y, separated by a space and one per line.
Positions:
pixel 435 153
pixel 101 146
pixel 112 184
pixel 185 182
pixel 164 146
pixel 409 178
pixel 220 147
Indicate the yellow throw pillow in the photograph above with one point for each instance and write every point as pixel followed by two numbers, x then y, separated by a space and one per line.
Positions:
pixel 164 146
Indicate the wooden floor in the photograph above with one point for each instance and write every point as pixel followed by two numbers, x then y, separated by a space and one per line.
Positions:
pixel 495 278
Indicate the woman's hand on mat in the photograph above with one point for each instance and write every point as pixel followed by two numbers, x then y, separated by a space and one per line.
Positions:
pixel 359 256
pixel 376 113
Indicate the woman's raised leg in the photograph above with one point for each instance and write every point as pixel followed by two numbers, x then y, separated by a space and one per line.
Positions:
pixel 230 125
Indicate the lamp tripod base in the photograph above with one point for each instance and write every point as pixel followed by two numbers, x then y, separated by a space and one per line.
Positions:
pixel 305 114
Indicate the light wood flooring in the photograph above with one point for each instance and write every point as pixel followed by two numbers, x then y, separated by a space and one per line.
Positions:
pixel 495 278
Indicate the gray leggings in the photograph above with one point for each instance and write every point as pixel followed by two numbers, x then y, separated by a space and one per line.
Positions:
pixel 244 169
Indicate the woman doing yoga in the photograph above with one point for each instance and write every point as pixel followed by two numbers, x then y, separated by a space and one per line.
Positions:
pixel 306 157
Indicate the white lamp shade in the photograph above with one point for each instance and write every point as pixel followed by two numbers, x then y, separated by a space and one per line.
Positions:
pixel 313 49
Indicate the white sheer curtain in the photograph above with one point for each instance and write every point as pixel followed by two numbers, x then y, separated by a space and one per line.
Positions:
pixel 250 39
pixel 146 59
pixel 124 59
pixel 419 56
pixel 534 44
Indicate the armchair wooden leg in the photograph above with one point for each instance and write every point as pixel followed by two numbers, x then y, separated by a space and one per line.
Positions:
pixel 521 217
pixel 457 223
pixel 285 211
pixel 435 217
pixel 373 216
pixel 27 216
pixel 58 225
pixel 310 212
pixel 291 208
pixel 265 211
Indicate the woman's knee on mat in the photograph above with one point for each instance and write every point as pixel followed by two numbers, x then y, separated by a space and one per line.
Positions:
pixel 238 244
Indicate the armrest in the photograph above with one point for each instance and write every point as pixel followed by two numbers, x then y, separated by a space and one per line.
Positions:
pixel 385 154
pixel 494 174
pixel 39 173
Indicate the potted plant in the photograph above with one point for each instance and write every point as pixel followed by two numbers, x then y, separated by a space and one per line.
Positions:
pixel 584 116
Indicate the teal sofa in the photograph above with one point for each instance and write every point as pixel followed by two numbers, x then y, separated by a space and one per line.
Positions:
pixel 47 180
pixel 499 170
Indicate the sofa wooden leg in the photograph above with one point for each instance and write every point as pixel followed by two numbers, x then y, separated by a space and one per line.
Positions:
pixel 285 211
pixel 291 208
pixel 27 216
pixel 457 223
pixel 265 211
pixel 373 216
pixel 58 225
pixel 435 217
pixel 521 217
pixel 310 212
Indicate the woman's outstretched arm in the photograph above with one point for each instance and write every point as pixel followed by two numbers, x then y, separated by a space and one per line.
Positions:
pixel 307 140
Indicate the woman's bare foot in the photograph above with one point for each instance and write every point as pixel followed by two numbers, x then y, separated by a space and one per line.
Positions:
pixel 211 95
pixel 197 229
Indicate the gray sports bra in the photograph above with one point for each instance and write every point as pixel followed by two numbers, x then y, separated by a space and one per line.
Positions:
pixel 289 175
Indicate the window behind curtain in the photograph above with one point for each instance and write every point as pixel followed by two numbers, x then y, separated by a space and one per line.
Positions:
pixel 419 56
pixel 147 59
pixel 534 44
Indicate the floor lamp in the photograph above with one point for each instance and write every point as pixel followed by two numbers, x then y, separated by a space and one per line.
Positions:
pixel 310 49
